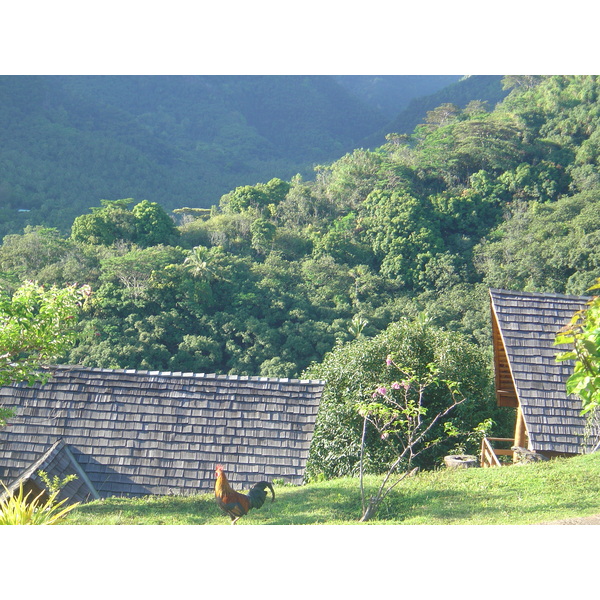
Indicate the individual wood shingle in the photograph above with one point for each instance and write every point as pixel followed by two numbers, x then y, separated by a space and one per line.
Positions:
pixel 139 433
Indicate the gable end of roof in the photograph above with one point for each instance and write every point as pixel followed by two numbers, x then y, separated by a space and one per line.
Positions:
pixel 527 324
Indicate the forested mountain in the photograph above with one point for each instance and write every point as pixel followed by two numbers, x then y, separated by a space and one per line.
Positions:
pixel 268 280
pixel 70 141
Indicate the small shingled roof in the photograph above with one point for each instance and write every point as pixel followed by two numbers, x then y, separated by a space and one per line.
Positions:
pixel 134 433
pixel 525 326
pixel 59 462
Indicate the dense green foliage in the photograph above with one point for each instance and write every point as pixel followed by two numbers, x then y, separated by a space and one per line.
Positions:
pixel 483 88
pixel 354 370
pixel 276 275
pixel 37 326
pixel 70 140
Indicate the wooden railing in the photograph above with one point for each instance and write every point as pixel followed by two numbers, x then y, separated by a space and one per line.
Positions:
pixel 489 454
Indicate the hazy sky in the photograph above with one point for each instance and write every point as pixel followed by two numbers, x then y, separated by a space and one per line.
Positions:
pixel 312 37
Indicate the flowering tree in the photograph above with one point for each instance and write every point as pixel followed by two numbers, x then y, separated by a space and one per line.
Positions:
pixel 398 413
pixel 583 334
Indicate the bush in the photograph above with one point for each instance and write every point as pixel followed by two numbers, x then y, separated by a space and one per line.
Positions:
pixel 354 370
pixel 17 509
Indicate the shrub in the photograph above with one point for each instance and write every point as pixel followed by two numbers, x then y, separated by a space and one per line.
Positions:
pixel 17 509
pixel 353 370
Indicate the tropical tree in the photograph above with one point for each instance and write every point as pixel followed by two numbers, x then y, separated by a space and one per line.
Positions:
pixel 520 81
pixel 106 224
pixel 262 198
pixel 243 198
pixel 146 224
pixel 154 226
pixel 137 269
pixel 442 115
pixel 263 234
pixel 198 262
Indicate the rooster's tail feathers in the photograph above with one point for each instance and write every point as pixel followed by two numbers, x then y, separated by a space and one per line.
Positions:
pixel 257 494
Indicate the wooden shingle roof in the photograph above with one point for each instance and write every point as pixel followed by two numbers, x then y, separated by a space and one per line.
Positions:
pixel 59 462
pixel 524 328
pixel 136 433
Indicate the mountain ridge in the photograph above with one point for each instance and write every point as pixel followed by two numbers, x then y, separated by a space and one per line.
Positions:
pixel 178 140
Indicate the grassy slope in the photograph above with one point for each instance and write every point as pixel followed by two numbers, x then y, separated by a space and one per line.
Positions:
pixel 516 495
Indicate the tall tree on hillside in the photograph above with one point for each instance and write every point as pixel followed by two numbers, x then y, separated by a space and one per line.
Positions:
pixel 522 82
pixel 402 233
pixel 442 115
pixel 198 263
pixel 154 226
pixel 146 224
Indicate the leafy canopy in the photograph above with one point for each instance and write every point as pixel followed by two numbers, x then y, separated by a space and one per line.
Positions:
pixel 146 224
pixel 36 328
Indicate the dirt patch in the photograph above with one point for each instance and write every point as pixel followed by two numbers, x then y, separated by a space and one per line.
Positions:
pixel 593 520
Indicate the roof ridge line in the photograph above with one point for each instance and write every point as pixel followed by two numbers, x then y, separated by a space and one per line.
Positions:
pixel 188 374
pixel 540 294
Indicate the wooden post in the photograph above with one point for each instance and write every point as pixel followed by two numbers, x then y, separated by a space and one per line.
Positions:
pixel 520 431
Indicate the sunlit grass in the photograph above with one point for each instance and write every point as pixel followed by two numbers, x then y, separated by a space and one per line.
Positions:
pixel 514 495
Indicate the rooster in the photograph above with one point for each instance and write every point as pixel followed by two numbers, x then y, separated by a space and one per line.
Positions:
pixel 234 504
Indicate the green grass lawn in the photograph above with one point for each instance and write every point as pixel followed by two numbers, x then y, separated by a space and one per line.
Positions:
pixel 513 495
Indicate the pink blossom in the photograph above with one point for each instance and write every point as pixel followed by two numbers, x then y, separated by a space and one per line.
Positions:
pixel 400 384
pixel 382 390
pixel 388 360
